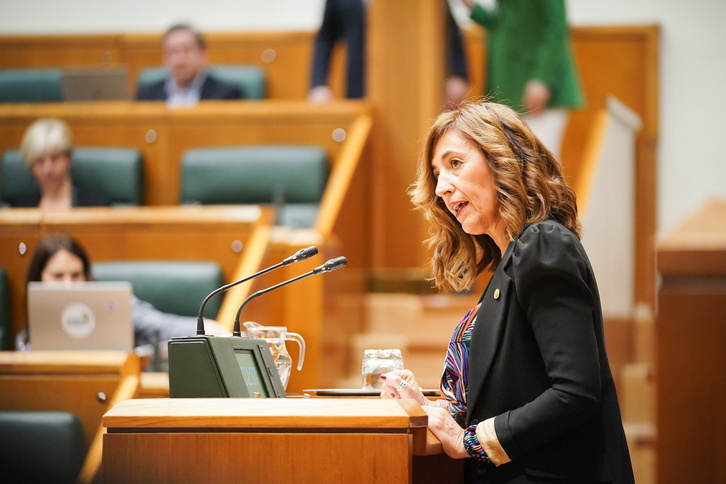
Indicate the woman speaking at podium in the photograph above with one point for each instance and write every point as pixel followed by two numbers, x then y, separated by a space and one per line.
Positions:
pixel 528 392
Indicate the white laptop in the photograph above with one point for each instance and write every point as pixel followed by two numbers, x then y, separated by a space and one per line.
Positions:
pixel 95 84
pixel 80 316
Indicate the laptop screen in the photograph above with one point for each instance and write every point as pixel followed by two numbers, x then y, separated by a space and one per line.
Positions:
pixel 95 84
pixel 80 316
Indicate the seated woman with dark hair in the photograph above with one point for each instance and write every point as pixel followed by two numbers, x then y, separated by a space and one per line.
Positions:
pixel 62 258
pixel 46 149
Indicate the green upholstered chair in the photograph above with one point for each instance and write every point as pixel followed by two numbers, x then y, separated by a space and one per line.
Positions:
pixel 292 177
pixel 117 173
pixel 251 79
pixel 40 446
pixel 30 85
pixel 5 343
pixel 176 287
pixel 16 180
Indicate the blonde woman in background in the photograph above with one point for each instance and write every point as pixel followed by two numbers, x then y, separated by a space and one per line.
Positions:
pixel 46 149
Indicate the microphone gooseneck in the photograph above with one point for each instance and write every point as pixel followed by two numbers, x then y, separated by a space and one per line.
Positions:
pixel 300 255
pixel 329 266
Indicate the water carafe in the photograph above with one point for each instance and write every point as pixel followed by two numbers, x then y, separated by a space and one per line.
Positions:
pixel 276 337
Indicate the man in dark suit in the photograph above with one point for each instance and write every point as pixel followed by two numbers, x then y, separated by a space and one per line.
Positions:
pixel 185 56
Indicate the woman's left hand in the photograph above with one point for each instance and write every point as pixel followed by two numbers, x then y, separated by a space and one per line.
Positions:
pixel 402 384
pixel 445 428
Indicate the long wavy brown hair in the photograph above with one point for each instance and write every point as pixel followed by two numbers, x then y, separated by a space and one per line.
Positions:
pixel 529 184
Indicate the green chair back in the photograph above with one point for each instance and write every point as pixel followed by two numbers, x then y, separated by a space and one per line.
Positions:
pixel 16 180
pixel 292 177
pixel 117 173
pixel 40 446
pixel 30 86
pixel 176 287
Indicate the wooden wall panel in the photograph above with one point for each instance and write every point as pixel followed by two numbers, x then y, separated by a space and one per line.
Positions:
pixel 405 84
pixel 23 51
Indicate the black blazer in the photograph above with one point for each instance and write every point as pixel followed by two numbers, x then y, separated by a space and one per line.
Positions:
pixel 538 364
pixel 79 198
pixel 213 88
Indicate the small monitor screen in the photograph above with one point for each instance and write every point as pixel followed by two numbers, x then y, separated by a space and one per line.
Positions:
pixel 251 372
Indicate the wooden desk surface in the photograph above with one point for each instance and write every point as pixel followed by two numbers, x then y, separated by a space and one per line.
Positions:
pixel 81 362
pixel 318 413
pixel 162 215
pixel 698 245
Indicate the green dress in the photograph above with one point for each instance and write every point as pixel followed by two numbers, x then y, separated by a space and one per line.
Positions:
pixel 529 39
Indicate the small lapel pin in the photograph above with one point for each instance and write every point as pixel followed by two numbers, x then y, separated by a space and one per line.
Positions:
pixel 496 293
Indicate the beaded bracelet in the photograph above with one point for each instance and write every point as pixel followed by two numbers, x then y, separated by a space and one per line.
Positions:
pixel 473 447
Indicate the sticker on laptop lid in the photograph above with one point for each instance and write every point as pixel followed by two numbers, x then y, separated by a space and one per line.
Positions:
pixel 78 320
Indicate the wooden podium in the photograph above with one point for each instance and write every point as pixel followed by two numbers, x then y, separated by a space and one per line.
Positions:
pixel 691 363
pixel 300 440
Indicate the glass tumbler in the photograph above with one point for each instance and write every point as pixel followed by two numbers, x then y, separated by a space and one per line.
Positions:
pixel 377 362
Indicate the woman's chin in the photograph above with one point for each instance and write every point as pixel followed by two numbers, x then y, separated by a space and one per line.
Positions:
pixel 472 230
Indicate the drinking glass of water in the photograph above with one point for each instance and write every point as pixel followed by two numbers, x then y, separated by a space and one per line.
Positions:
pixel 378 362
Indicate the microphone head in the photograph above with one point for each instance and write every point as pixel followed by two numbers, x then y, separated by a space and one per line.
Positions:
pixel 331 265
pixel 301 255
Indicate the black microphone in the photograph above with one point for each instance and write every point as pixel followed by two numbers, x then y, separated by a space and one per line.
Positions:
pixel 300 255
pixel 330 266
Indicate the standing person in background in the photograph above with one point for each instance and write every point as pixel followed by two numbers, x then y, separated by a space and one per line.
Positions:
pixel 188 80
pixel 528 392
pixel 346 19
pixel 60 258
pixel 530 65
pixel 46 149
